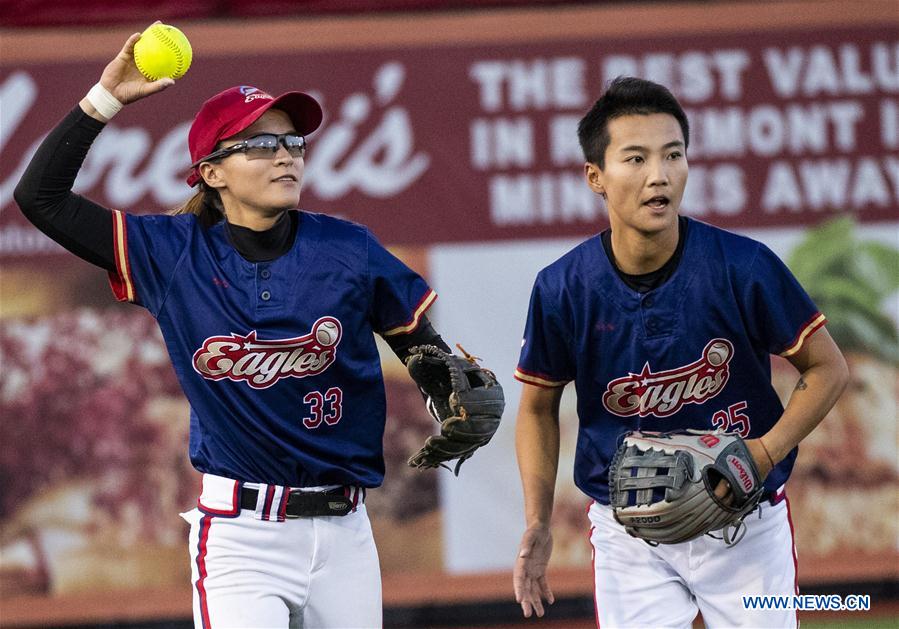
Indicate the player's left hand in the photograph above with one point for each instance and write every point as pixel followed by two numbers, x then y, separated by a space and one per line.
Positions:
pixel 529 574
pixel 466 399
pixel 762 463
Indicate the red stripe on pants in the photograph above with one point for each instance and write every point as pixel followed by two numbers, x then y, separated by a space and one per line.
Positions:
pixel 205 524
pixel 593 563
pixel 795 555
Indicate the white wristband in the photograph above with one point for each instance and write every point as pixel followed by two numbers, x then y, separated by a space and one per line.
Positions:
pixel 103 101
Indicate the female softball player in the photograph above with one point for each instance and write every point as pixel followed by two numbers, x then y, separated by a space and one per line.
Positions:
pixel 268 314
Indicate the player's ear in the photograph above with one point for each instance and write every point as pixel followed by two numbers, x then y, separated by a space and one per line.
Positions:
pixel 594 177
pixel 212 175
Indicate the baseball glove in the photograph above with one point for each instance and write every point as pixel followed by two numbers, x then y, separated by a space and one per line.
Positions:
pixel 465 399
pixel 663 485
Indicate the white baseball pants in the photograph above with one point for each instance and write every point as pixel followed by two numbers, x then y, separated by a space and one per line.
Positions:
pixel 306 572
pixel 638 585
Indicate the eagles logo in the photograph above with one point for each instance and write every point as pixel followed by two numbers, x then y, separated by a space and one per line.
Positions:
pixel 663 393
pixel 262 363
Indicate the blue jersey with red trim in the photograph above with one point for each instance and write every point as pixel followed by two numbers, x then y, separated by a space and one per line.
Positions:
pixel 692 353
pixel 277 359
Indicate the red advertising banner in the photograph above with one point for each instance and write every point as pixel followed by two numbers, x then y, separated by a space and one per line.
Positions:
pixel 68 12
pixel 478 142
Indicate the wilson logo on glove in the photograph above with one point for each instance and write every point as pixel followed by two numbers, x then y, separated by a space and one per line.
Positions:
pixel 738 468
pixel 663 393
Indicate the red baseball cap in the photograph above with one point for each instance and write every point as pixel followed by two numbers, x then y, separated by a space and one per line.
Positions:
pixel 235 109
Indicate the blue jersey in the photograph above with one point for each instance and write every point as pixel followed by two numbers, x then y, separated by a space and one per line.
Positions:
pixel 277 359
pixel 692 353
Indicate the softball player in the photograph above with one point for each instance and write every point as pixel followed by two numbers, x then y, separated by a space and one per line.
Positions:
pixel 627 315
pixel 268 318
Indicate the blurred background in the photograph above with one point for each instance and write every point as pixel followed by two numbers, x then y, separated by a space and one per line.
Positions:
pixel 450 131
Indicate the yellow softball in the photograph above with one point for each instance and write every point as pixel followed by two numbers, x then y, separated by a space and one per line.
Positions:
pixel 162 51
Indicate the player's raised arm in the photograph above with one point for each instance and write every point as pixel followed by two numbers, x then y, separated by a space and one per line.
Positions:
pixel 44 193
pixel 537 447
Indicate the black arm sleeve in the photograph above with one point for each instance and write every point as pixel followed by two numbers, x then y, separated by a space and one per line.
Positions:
pixel 424 334
pixel 44 193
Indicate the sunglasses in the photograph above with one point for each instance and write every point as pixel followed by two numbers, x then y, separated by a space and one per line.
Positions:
pixel 260 146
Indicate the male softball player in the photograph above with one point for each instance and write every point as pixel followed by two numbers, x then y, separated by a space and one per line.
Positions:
pixel 665 323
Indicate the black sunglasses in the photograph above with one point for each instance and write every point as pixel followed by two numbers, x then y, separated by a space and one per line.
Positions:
pixel 259 146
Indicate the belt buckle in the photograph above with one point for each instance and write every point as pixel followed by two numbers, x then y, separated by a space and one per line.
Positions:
pixel 340 505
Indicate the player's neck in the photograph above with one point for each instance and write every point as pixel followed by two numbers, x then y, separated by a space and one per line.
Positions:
pixel 263 246
pixel 257 221
pixel 638 253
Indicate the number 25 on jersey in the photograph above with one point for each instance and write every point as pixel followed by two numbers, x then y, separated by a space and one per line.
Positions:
pixel 733 419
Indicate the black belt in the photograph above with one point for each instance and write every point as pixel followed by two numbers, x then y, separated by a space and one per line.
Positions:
pixel 302 504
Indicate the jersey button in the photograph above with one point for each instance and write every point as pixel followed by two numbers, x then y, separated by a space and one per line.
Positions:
pixel 647 303
pixel 265 295
pixel 265 274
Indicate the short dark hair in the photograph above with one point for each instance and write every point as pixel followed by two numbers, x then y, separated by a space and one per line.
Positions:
pixel 625 96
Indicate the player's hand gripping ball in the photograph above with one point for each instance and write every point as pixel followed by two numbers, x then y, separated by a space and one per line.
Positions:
pixel 162 52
